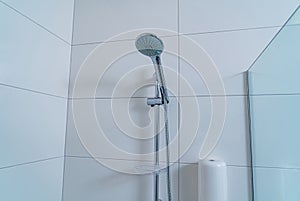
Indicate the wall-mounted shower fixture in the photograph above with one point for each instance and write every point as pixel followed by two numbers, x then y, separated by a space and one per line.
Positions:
pixel 151 46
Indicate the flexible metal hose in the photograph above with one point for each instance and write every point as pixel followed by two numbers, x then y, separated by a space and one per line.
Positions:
pixel 167 134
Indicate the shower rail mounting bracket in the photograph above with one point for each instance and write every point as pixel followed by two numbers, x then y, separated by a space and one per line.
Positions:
pixel 154 101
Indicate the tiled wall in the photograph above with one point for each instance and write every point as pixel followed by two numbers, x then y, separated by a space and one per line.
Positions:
pixel 233 33
pixel 35 77
pixel 35 51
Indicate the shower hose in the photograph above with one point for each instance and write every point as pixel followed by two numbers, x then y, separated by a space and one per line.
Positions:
pixel 167 135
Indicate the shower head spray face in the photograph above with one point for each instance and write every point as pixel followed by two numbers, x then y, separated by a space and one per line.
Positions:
pixel 149 45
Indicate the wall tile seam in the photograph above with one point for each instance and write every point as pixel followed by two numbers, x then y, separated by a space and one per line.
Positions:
pixel 180 163
pixel 125 98
pixel 115 98
pixel 144 161
pixel 32 91
pixel 184 34
pixel 277 168
pixel 272 95
pixel 31 162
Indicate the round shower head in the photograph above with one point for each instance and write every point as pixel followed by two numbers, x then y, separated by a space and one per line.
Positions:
pixel 149 45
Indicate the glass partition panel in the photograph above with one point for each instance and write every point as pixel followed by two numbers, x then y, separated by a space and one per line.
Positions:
pixel 274 97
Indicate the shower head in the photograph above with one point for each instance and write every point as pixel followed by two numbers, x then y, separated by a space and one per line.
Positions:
pixel 149 45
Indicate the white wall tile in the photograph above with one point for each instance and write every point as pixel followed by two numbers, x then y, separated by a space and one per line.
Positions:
pixel 206 16
pixel 232 52
pixel 96 21
pixel 79 55
pixel 126 123
pixel 54 15
pixel 128 74
pixel 238 183
pixel 276 184
pixel 234 143
pixel 31 57
pixel 87 179
pixel 32 126
pixel 34 182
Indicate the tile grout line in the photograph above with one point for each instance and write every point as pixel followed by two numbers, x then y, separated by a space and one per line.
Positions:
pixel 277 168
pixel 231 30
pixel 185 96
pixel 31 162
pixel 117 159
pixel 286 94
pixel 67 109
pixel 32 91
pixel 114 41
pixel 34 22
pixel 180 163
pixel 119 40
pixel 110 98
pixel 188 34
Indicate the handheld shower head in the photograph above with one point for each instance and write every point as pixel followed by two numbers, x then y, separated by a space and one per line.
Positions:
pixel 151 46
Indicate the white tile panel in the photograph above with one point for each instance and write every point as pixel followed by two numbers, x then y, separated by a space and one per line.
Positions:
pixel 31 57
pixel 97 21
pixel 55 15
pixel 233 146
pixel 207 16
pixel 126 124
pixel 231 52
pixel 34 182
pixel 32 126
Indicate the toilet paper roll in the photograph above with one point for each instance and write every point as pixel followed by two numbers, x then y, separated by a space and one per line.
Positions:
pixel 212 180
